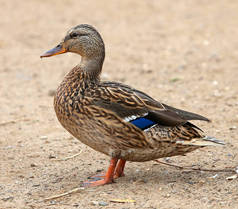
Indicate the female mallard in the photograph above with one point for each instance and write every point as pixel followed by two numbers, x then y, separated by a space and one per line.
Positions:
pixel 114 118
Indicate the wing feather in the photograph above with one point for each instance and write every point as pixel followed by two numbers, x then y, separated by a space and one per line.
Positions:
pixel 129 103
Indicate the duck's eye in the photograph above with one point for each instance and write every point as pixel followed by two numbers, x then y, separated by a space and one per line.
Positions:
pixel 74 35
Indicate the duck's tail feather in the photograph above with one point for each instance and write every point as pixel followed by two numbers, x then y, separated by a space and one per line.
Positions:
pixel 213 140
pixel 202 142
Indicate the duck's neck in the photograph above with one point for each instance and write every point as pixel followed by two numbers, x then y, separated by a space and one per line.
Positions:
pixel 92 66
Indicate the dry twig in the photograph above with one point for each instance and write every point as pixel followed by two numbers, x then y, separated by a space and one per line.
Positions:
pixel 64 194
pixel 70 157
pixel 228 170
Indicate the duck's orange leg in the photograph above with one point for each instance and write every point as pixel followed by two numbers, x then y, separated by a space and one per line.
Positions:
pixel 118 172
pixel 119 169
pixel 108 177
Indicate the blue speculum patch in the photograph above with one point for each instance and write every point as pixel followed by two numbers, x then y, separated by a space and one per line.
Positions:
pixel 143 123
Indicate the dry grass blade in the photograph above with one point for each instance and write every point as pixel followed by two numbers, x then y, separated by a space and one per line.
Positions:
pixel 64 194
pixel 122 200
pixel 13 121
pixel 70 157
pixel 227 170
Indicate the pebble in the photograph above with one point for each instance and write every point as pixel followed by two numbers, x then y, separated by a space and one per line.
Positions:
pixel 167 196
pixel 167 159
pixel 232 177
pixel 233 128
pixel 33 165
pixel 102 203
pixel 52 202
pixel 137 170
pixel 51 156
pixel 43 137
pixel 94 202
pixel 215 83
pixel 76 205
pixel 8 147
pixel 217 93
pixel 190 182
pixel 7 198
pixel 216 175
pixel 237 170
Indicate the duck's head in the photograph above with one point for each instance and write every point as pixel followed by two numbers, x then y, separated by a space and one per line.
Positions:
pixel 82 39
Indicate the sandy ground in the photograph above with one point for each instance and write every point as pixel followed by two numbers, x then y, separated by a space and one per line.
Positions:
pixel 183 53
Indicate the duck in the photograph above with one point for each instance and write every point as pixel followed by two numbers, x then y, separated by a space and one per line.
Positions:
pixel 115 119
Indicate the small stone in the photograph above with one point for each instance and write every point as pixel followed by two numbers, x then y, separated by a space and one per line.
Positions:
pixel 43 137
pixel 232 177
pixel 237 170
pixel 59 179
pixel 52 202
pixel 8 147
pixel 102 203
pixel 94 202
pixel 190 182
pixel 167 195
pixel 7 198
pixel 141 181
pixel 167 159
pixel 51 156
pixel 217 93
pixel 201 183
pixel 233 128
pixel 33 165
pixel 216 175
pixel 29 193
pixel 76 205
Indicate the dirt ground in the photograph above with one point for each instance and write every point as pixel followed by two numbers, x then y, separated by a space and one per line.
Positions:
pixel 183 53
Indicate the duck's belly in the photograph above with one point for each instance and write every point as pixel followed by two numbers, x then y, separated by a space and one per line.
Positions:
pixel 94 137
pixel 165 150
pixel 87 134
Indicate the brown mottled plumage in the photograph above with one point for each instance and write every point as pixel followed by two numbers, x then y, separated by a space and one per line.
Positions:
pixel 103 115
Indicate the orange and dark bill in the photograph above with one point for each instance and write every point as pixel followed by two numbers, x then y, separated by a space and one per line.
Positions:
pixel 57 50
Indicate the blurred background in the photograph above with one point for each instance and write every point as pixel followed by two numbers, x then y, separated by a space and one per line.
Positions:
pixel 183 53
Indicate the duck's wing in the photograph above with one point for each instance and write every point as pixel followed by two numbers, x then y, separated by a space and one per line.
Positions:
pixel 185 114
pixel 138 108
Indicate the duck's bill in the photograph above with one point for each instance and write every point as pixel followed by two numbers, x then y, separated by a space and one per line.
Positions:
pixel 57 50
